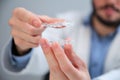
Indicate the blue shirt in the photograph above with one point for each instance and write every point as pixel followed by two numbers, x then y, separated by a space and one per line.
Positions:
pixel 20 62
pixel 98 49
pixel 98 52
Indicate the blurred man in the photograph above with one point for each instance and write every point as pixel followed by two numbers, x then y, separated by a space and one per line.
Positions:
pixel 95 41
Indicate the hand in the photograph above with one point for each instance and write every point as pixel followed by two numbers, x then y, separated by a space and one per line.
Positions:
pixel 64 64
pixel 26 29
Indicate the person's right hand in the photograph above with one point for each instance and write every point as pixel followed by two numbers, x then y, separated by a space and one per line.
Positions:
pixel 63 63
pixel 26 29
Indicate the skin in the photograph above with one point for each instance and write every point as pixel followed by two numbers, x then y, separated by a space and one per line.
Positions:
pixel 26 28
pixel 106 14
pixel 64 64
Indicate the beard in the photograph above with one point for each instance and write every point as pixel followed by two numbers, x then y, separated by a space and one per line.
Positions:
pixel 107 23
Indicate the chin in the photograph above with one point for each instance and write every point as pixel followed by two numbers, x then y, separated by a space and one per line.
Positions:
pixel 108 20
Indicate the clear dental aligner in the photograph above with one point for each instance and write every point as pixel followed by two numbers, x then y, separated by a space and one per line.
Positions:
pixel 62 42
pixel 57 25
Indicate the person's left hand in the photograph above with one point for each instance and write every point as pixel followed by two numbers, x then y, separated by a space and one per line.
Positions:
pixel 64 64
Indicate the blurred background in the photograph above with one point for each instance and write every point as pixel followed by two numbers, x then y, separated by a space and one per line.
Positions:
pixel 43 7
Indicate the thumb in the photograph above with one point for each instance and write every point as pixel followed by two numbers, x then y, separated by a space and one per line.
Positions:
pixel 46 19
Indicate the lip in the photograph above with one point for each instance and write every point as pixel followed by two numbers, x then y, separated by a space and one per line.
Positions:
pixel 109 11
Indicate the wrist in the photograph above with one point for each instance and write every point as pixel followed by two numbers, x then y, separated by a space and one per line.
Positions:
pixel 17 51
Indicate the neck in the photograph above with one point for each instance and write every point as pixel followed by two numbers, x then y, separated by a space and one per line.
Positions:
pixel 101 29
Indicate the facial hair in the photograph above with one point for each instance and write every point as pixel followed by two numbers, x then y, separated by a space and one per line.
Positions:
pixel 107 23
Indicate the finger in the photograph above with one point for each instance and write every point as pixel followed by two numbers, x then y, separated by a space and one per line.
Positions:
pixel 27 16
pixel 48 53
pixel 64 62
pixel 76 61
pixel 26 37
pixel 25 45
pixel 53 64
pixel 25 27
pixel 47 19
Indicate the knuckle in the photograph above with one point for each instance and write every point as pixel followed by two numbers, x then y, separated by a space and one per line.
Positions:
pixel 13 33
pixel 31 31
pixel 11 22
pixel 31 18
pixel 65 68
pixel 17 10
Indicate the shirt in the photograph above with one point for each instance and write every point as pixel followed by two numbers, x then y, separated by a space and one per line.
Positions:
pixel 98 49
